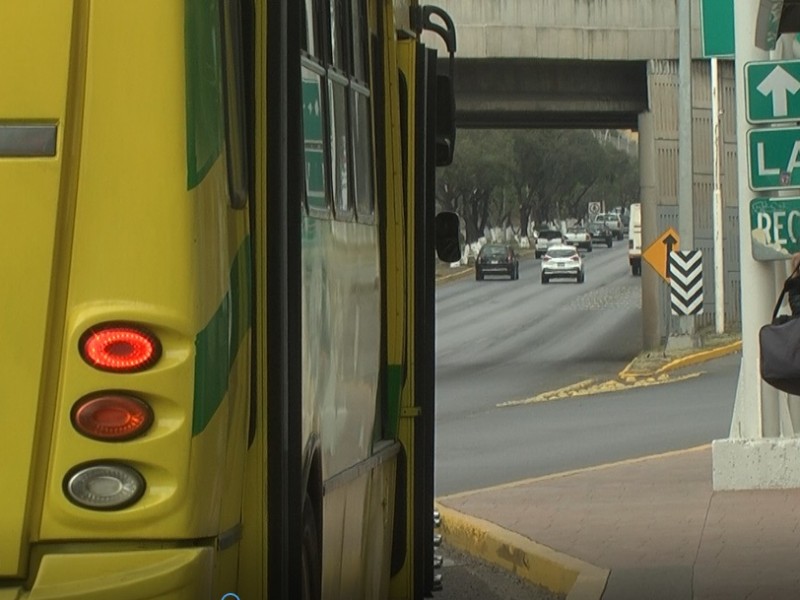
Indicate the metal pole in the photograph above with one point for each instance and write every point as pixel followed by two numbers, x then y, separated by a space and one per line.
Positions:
pixel 719 272
pixel 685 170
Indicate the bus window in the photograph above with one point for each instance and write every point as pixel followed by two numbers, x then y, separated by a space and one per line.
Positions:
pixel 362 154
pixel 340 27
pixel 338 136
pixel 234 95
pixel 359 34
pixel 314 142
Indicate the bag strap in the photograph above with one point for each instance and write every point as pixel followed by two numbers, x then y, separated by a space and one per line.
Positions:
pixel 784 289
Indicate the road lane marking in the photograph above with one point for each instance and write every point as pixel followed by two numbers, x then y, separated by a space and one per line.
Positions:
pixel 589 388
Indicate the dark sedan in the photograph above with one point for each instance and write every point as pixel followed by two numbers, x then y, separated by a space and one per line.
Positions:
pixel 497 259
pixel 601 233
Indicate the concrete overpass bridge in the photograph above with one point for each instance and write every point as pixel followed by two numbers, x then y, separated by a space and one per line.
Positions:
pixel 608 64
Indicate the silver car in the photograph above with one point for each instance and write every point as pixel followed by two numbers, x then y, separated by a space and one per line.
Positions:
pixel 562 261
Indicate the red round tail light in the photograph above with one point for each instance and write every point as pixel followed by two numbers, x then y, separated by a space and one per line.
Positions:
pixel 121 348
pixel 111 416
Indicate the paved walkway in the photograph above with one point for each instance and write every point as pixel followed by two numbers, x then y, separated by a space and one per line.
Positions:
pixel 644 529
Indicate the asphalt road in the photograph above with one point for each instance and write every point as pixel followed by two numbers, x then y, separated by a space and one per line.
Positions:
pixel 502 341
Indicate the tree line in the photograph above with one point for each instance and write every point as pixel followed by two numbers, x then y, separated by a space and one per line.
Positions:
pixel 514 178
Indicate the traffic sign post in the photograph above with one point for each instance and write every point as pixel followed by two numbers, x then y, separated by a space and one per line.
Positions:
pixel 657 253
pixel 717 27
pixel 774 158
pixel 772 91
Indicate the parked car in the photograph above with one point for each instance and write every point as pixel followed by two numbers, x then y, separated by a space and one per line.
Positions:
pixel 601 233
pixel 579 236
pixel 545 239
pixel 614 222
pixel 562 261
pixel 497 259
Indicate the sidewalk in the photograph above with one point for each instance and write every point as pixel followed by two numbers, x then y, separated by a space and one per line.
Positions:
pixel 643 529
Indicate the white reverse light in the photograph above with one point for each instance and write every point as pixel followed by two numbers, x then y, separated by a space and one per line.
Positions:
pixel 107 486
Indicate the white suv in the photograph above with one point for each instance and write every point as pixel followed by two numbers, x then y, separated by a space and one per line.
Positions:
pixel 562 261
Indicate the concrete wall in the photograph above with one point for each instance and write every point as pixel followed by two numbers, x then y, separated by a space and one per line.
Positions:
pixel 663 91
pixel 582 29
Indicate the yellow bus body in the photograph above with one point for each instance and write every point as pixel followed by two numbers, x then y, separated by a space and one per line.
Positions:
pixel 115 180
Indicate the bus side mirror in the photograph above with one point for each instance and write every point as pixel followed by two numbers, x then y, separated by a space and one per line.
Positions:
pixel 447 247
pixel 445 120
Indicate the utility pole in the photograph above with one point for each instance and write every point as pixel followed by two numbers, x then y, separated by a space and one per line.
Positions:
pixel 685 169
pixel 719 271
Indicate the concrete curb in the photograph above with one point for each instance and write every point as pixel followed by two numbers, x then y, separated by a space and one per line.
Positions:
pixel 683 361
pixel 534 562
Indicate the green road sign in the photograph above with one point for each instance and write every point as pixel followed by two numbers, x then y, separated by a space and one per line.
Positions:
pixel 772 91
pixel 717 27
pixel 774 158
pixel 774 228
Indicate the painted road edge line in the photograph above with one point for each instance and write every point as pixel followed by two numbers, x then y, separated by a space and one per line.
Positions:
pixel 534 562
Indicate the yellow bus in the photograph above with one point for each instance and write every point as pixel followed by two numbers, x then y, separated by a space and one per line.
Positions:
pixel 216 333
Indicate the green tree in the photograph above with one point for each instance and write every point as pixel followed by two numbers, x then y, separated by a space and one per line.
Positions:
pixel 470 185
pixel 512 177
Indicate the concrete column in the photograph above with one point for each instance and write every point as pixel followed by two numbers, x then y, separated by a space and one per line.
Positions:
pixel 651 338
pixel 754 456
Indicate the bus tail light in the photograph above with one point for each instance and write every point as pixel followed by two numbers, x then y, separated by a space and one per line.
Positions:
pixel 104 486
pixel 120 347
pixel 111 416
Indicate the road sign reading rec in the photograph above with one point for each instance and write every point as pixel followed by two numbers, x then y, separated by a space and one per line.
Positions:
pixel 774 228
pixel 772 91
pixel 774 157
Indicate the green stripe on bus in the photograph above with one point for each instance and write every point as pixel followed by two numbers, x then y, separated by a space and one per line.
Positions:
pixel 204 124
pixel 219 342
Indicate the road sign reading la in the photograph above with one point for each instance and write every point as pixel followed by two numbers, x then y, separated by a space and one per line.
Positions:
pixel 773 91
pixel 774 158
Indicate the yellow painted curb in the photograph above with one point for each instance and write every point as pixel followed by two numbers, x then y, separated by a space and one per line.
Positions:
pixel 702 356
pixel 527 559
pixel 683 361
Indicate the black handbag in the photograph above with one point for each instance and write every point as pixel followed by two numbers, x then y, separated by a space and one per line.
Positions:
pixel 780 343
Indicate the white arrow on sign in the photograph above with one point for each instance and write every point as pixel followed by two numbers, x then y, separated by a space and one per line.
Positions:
pixel 780 84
